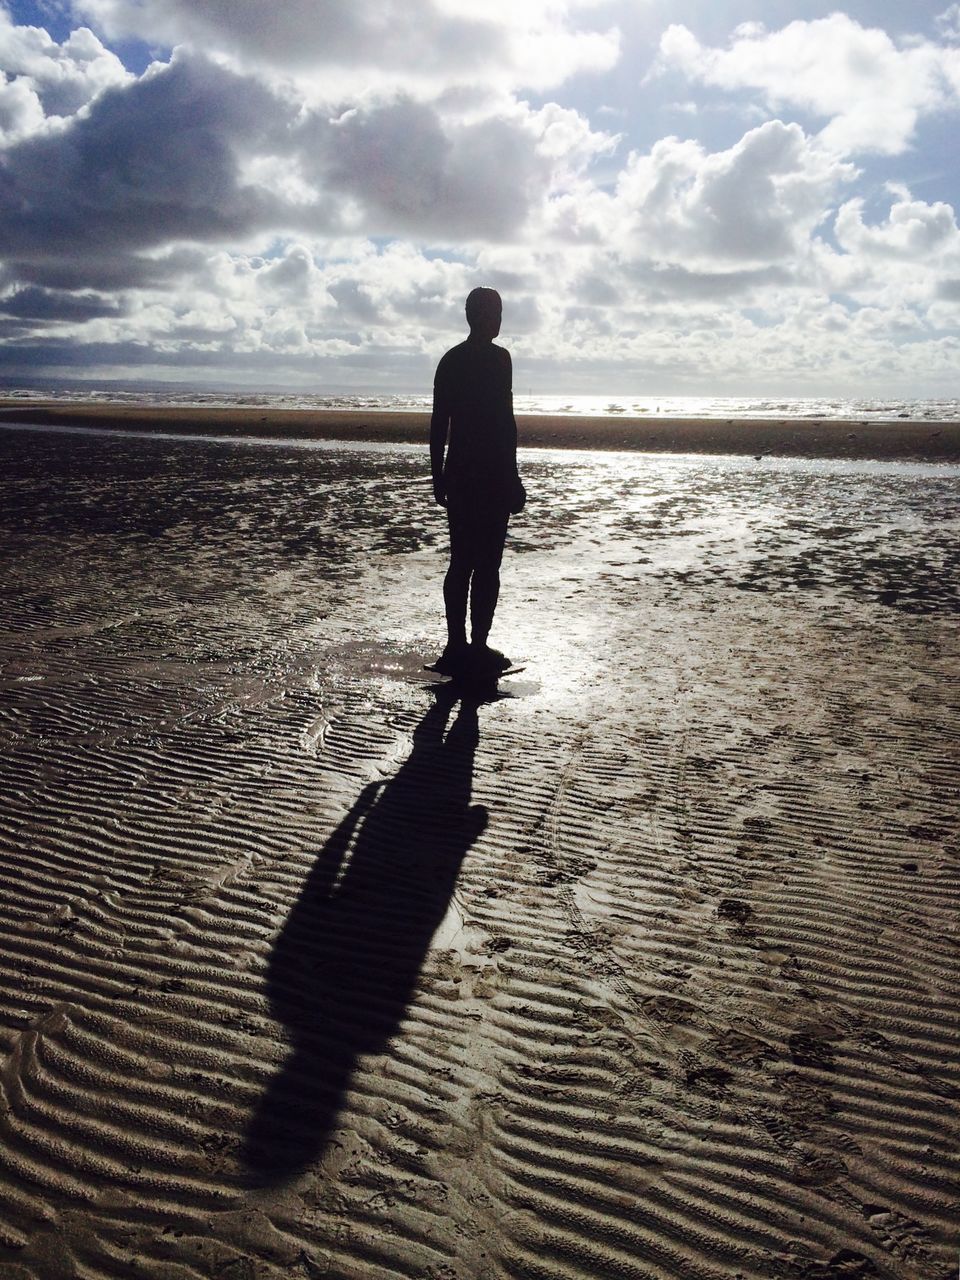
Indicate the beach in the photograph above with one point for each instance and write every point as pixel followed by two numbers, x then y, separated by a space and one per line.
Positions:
pixel 775 436
pixel 643 966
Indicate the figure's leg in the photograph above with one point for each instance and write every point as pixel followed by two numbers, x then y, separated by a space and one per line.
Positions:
pixel 485 585
pixel 484 593
pixel 456 584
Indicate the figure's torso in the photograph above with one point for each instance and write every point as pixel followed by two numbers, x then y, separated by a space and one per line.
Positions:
pixel 474 384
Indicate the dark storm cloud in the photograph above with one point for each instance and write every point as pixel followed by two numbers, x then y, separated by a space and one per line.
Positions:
pixel 378 361
pixel 31 353
pixel 108 271
pixel 416 173
pixel 66 353
pixel 11 330
pixel 151 163
pixel 32 303
pixel 168 158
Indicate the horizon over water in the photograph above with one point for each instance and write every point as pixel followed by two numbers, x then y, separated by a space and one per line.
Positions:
pixel 593 406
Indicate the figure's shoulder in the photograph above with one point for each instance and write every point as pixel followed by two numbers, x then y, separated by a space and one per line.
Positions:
pixel 455 353
pixel 503 355
pixel 451 359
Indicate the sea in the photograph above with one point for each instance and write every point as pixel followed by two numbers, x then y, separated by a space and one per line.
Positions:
pixel 591 406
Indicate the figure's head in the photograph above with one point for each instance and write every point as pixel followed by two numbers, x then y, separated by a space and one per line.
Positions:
pixel 484 312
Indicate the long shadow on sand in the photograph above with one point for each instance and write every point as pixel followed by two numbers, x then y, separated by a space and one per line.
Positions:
pixel 345 966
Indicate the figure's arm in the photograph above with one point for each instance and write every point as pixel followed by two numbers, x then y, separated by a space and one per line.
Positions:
pixel 508 365
pixel 519 495
pixel 439 426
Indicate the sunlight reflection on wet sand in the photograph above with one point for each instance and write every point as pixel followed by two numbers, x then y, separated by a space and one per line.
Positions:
pixel 682 888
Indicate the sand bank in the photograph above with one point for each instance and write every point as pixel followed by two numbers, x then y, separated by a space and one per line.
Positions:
pixel 823 438
pixel 647 968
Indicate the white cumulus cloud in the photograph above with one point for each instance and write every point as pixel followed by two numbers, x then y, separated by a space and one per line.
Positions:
pixel 914 231
pixel 871 92
pixel 754 204
pixel 40 78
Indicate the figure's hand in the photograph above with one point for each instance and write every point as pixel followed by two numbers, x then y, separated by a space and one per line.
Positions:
pixel 518 497
pixel 440 491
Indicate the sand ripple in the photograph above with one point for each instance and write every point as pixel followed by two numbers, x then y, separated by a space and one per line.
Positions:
pixel 645 969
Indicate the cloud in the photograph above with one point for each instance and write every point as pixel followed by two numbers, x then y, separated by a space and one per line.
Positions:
pixel 295 304
pixel 31 303
pixel 871 92
pixel 914 232
pixel 292 276
pixel 146 165
pixel 196 152
pixel 415 173
pixel 672 283
pixel 21 112
pixel 308 195
pixel 751 205
pixel 42 79
pixel 410 42
pixel 948 23
pixel 105 271
pixel 299 34
pixel 380 317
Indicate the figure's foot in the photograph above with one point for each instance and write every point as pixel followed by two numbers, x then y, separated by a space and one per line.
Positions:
pixel 483 658
pixel 453 659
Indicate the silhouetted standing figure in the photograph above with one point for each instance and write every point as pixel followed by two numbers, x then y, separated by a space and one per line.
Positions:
pixel 473 458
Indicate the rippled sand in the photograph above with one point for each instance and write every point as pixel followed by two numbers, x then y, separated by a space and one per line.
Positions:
pixel 647 968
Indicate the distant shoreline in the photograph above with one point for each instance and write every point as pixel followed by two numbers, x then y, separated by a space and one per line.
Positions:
pixel 784 437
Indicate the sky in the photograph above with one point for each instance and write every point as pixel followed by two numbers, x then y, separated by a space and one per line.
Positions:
pixel 672 196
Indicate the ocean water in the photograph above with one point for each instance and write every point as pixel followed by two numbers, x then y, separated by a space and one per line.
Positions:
pixel 844 408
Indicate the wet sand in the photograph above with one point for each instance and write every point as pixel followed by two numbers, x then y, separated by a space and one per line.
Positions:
pixel 646 968
pixel 778 437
